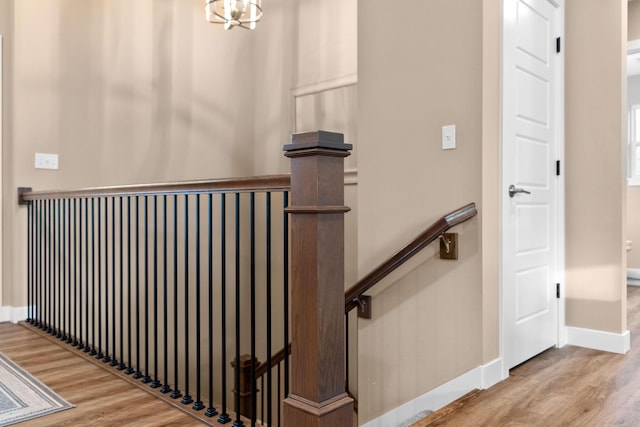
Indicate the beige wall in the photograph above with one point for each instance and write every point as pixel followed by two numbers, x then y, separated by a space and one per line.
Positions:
pixel 455 306
pixel 6 30
pixel 309 42
pixel 124 92
pixel 414 78
pixel 147 91
pixel 595 91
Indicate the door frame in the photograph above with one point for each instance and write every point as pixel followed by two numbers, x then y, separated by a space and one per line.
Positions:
pixel 561 339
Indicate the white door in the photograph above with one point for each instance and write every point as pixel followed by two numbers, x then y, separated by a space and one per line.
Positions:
pixel 532 118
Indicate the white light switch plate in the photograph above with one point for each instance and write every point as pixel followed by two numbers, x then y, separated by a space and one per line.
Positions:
pixel 449 137
pixel 46 161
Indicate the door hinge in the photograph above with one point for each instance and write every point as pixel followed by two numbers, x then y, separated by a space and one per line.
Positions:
pixel 558 44
pixel 557 290
pixel 557 167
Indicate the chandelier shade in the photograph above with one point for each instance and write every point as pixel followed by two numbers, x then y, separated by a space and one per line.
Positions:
pixel 234 13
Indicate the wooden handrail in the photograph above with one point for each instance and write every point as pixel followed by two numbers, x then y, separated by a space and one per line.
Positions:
pixel 275 360
pixel 434 231
pixel 425 238
pixel 227 185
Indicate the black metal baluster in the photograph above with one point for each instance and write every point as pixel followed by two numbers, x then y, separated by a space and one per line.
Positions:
pixel 121 366
pixel 42 309
pixel 33 271
pixel 35 207
pixel 165 388
pixel 156 382
pixel 238 422
pixel 32 263
pixel 75 274
pixel 114 360
pixel 186 399
pixel 285 271
pixel 93 351
pixel 130 369
pixel 43 265
pixel 80 345
pixel 72 263
pixel 198 405
pixel 147 378
pixel 50 269
pixel 70 273
pixel 211 410
pixel 252 243
pixel 176 393
pixel 59 266
pixel 87 347
pixel 65 261
pixel 269 336
pixel 37 321
pixel 98 345
pixel 279 388
pixel 224 417
pixel 36 259
pixel 47 257
pixel 45 273
pixel 29 261
pixel 106 358
pixel 138 374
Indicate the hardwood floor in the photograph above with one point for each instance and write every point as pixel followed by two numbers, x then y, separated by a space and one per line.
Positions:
pixel 101 398
pixel 570 386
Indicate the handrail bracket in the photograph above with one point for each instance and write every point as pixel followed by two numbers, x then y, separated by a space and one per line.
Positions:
pixel 364 306
pixel 446 242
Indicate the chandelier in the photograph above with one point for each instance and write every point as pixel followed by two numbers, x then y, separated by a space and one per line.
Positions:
pixel 234 13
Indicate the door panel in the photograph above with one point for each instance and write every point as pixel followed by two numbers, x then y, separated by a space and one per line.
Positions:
pixel 530 150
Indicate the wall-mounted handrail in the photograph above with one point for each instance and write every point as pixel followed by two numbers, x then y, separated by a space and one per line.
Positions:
pixel 434 231
pixel 215 186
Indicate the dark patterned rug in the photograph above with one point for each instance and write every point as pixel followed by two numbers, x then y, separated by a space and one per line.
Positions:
pixel 23 397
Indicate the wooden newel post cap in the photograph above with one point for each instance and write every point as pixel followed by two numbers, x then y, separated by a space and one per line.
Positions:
pixel 318 140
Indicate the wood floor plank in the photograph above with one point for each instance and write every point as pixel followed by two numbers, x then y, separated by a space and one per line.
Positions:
pixel 569 386
pixel 101 398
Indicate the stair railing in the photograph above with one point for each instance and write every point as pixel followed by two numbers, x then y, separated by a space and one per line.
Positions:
pixel 160 281
pixel 355 296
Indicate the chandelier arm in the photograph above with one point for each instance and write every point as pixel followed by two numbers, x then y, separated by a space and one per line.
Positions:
pixel 213 16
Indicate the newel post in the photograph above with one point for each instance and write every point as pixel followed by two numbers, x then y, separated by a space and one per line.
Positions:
pixel 317 395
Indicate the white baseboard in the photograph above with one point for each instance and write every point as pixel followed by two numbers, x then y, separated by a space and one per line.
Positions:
pixel 478 378
pixel 599 340
pixel 13 314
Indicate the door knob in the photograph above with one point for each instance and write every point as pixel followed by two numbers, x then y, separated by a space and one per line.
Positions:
pixel 513 190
